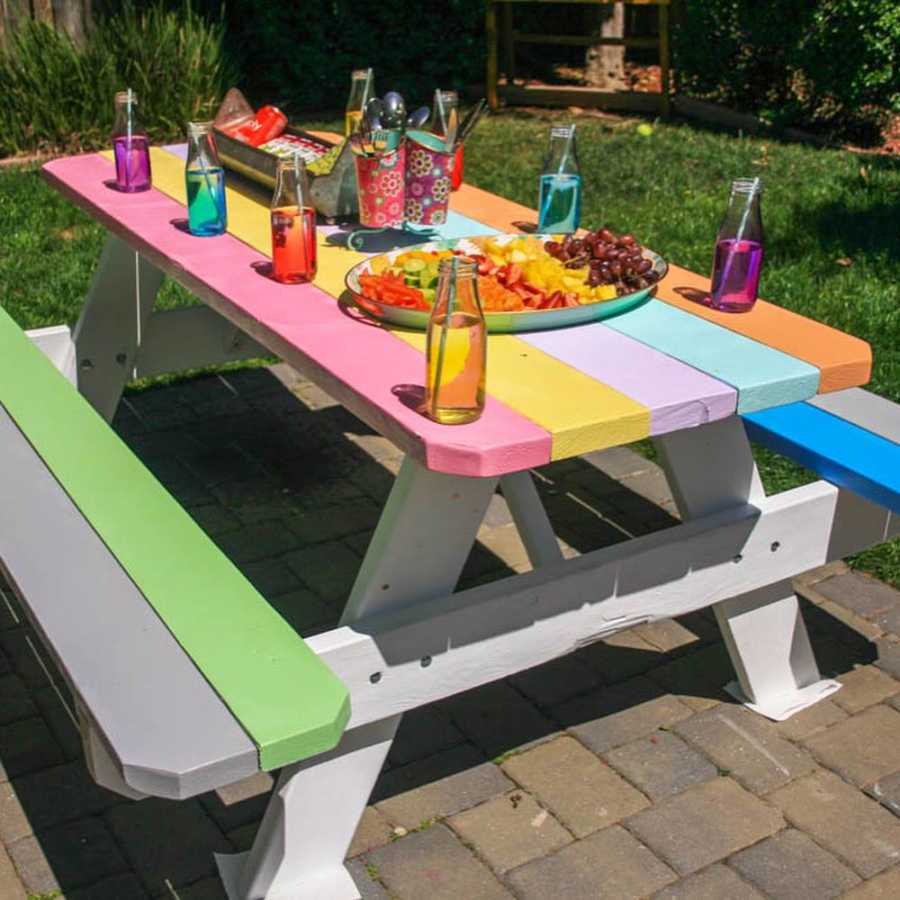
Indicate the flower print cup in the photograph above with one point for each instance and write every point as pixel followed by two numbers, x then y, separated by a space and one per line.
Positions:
pixel 429 174
pixel 380 187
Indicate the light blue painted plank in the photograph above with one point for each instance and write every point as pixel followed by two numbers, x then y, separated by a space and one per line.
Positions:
pixel 763 377
pixel 842 453
pixel 459 226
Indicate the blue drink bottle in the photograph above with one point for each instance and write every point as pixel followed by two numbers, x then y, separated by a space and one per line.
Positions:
pixel 205 183
pixel 559 205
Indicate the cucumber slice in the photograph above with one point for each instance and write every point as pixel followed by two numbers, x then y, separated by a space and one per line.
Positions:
pixel 428 294
pixel 414 267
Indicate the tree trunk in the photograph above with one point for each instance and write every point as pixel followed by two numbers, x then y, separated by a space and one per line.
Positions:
pixel 604 64
pixel 72 17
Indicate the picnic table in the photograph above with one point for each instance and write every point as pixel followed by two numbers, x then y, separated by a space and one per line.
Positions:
pixel 672 370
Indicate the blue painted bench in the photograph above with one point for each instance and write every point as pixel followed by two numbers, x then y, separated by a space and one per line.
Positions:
pixel 850 438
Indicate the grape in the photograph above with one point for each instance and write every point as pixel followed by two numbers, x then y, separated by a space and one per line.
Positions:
pixel 599 251
pixel 615 269
pixel 552 247
pixel 644 266
pixel 577 246
pixel 627 240
pixel 606 235
pixel 595 279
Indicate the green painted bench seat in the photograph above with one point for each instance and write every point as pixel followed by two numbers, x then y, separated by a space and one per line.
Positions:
pixel 850 438
pixel 162 639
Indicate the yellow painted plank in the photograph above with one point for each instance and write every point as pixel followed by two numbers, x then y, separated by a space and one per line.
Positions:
pixel 580 413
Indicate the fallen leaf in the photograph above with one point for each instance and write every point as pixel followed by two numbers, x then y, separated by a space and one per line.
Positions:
pixel 844 261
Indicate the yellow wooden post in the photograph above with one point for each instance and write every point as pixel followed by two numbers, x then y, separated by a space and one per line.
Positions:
pixel 490 29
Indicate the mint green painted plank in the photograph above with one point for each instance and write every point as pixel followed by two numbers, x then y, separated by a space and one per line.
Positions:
pixel 762 376
pixel 289 702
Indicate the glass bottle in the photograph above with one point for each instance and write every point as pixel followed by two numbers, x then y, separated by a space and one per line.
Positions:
pixel 559 203
pixel 362 88
pixel 205 182
pixel 739 249
pixel 456 346
pixel 293 224
pixel 445 116
pixel 130 145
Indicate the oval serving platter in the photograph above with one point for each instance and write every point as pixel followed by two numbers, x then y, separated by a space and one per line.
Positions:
pixel 497 322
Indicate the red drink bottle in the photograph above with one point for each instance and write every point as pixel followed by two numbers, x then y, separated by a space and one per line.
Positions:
pixel 293 221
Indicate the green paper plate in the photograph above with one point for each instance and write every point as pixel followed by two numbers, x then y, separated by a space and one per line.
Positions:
pixel 497 322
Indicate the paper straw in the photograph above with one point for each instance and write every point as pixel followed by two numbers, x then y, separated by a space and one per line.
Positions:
pixel 562 162
pixel 729 260
pixel 451 302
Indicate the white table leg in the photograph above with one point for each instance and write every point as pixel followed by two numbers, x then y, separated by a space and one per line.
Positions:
pixel 112 322
pixel 710 469
pixel 418 550
pixel 530 518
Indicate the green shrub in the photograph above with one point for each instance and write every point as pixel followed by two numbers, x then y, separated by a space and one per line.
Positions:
pixel 59 96
pixel 834 64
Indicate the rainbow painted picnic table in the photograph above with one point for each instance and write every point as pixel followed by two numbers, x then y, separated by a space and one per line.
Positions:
pixel 671 369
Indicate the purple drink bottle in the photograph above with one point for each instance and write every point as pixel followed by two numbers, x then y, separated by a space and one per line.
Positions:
pixel 130 146
pixel 739 249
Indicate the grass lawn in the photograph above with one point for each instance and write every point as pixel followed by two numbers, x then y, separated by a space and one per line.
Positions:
pixel 669 189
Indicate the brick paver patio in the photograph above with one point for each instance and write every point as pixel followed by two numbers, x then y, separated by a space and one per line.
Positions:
pixel 621 771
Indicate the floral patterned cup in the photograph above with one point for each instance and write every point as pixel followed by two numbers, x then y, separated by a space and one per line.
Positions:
pixel 379 185
pixel 429 172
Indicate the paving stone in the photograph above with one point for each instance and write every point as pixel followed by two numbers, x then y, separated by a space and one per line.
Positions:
pixel 368 887
pixel 186 854
pixel 705 824
pixel 15 702
pixel 887 792
pixel 497 718
pixel 556 681
pixel 582 791
pixel 14 824
pixel 510 830
pixel 58 720
pixel 668 635
pixel 835 658
pixel 621 656
pixel 883 887
pixel 61 794
pixel 119 887
pixel 697 679
pixel 661 765
pixel 10 885
pixel 810 721
pixel 506 545
pixel 18 647
pixel 373 831
pixel 271 577
pixel 748 746
pixel 789 866
pixel 718 882
pixel 25 746
pixel 610 864
pixel 432 863
pixel 213 518
pixel 255 542
pixel 328 569
pixel 439 786
pixel 863 687
pixel 888 655
pixel 205 889
pixel 241 839
pixel 302 610
pixel 69 856
pixel 620 714
pixel 863 748
pixel 863 628
pixel 842 820
pixel 423 732
pixel 333 522
pixel 872 599
pixel 240 803
pixel 619 462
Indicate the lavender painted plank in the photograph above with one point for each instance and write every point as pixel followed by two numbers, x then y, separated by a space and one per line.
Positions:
pixel 363 366
pixel 677 395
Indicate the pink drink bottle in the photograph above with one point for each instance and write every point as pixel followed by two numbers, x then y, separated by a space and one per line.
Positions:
pixel 739 249
pixel 130 146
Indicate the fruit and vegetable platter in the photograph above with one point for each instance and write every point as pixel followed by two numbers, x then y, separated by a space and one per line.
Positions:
pixel 526 282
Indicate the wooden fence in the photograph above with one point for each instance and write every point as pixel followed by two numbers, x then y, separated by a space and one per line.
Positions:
pixel 74 17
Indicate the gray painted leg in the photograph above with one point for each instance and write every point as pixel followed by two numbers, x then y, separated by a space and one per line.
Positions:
pixel 114 318
pixel 709 469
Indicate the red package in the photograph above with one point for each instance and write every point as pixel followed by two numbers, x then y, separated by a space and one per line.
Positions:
pixel 268 123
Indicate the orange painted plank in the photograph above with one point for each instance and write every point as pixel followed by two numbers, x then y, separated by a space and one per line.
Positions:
pixel 843 360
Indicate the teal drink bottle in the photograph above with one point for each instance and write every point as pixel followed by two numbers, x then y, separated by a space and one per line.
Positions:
pixel 205 183
pixel 559 203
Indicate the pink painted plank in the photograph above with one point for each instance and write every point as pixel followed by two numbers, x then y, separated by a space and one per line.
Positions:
pixel 357 362
pixel 677 395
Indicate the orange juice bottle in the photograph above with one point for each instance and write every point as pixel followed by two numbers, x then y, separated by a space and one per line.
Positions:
pixel 456 346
